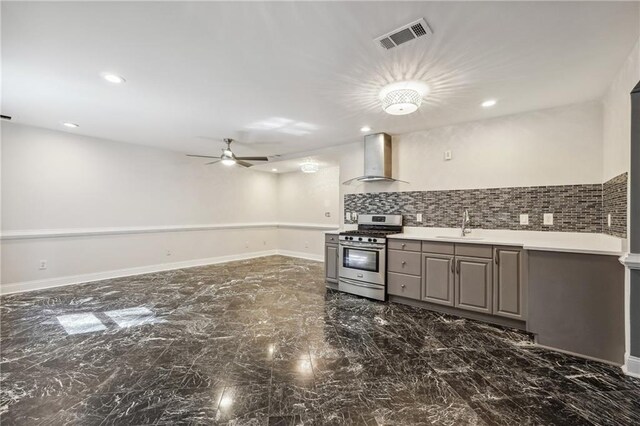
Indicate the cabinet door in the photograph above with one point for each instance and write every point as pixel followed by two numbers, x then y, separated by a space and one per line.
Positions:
pixel 508 291
pixel 437 278
pixel 474 287
pixel 331 263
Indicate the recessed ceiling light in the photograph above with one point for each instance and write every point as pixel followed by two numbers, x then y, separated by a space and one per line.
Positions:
pixel 274 170
pixel 489 103
pixel 113 78
pixel 309 167
pixel 365 129
pixel 70 125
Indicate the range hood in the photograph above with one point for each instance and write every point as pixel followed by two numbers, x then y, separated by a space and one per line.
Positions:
pixel 377 160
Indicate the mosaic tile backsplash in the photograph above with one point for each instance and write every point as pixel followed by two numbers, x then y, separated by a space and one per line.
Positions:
pixel 575 208
pixel 614 202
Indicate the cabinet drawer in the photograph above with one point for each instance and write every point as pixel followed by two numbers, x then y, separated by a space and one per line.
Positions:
pixel 404 245
pixel 437 247
pixel 474 250
pixel 403 262
pixel 331 238
pixel 403 285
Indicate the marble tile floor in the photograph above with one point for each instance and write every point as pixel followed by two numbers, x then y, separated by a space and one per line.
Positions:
pixel 261 342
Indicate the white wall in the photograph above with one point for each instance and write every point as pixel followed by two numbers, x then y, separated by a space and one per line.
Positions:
pixel 617 116
pixel 59 180
pixel 549 147
pixel 304 198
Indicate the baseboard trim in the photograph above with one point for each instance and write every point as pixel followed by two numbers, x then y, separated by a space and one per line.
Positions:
pixel 632 366
pixel 301 255
pixel 25 286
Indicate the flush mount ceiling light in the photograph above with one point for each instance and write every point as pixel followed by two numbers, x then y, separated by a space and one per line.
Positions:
pixel 274 170
pixel 403 97
pixel 488 103
pixel 70 125
pixel 365 129
pixel 113 78
pixel 309 167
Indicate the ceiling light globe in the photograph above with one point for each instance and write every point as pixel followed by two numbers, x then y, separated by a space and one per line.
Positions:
pixel 228 161
pixel 401 101
pixel 489 103
pixel 309 167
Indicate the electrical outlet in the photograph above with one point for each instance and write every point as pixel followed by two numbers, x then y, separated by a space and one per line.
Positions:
pixel 246 244
pixel 609 220
pixel 547 219
pixel 347 216
pixel 419 217
pixel 354 216
pixel 327 214
pixel 447 155
pixel 306 244
pixel 524 219
pixel 43 265
pixel 168 252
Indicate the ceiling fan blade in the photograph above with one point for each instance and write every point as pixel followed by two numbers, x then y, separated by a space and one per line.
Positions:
pixel 201 156
pixel 212 162
pixel 243 163
pixel 253 158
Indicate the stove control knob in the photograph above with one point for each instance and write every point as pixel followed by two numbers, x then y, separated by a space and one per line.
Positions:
pixel 370 239
pixel 360 239
pixel 375 240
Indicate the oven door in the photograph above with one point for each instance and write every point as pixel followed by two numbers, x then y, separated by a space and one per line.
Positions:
pixel 363 262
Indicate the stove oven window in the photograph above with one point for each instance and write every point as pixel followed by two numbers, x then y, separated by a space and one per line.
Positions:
pixel 364 260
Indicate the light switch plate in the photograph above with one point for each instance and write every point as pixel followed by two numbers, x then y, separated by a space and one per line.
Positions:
pixel 524 219
pixel 347 216
pixel 447 155
pixel 609 220
pixel 419 217
pixel 547 219
pixel 354 216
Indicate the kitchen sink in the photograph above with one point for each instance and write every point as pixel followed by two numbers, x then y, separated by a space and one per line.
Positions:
pixel 448 237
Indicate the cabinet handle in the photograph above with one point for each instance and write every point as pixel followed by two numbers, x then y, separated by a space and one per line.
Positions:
pixel 404 263
pixel 452 270
pixel 497 257
pixel 458 267
pixel 403 286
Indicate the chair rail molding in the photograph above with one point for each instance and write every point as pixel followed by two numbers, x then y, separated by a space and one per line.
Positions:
pixel 85 232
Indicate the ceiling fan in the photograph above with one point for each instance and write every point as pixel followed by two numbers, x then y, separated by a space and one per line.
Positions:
pixel 228 158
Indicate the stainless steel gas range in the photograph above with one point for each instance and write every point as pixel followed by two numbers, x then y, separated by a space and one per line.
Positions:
pixel 363 255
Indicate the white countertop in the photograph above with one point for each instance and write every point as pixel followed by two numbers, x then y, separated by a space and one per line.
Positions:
pixel 573 242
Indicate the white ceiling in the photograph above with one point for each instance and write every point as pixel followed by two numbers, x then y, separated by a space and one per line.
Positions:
pixel 301 75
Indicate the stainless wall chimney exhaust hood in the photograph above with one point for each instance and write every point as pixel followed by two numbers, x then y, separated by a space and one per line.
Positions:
pixel 377 160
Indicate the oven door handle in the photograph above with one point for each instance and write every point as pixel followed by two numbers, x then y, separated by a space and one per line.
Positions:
pixel 359 284
pixel 363 246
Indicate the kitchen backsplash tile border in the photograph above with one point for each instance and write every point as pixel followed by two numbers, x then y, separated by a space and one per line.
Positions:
pixel 576 208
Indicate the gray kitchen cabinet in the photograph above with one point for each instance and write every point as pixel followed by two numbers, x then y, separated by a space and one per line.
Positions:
pixel 438 278
pixel 403 262
pixel 331 262
pixel 403 285
pixel 509 293
pixel 474 284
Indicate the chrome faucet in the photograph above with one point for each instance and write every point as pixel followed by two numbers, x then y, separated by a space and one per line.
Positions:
pixel 465 222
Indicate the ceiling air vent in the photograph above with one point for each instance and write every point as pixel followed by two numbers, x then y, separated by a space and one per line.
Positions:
pixel 403 34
